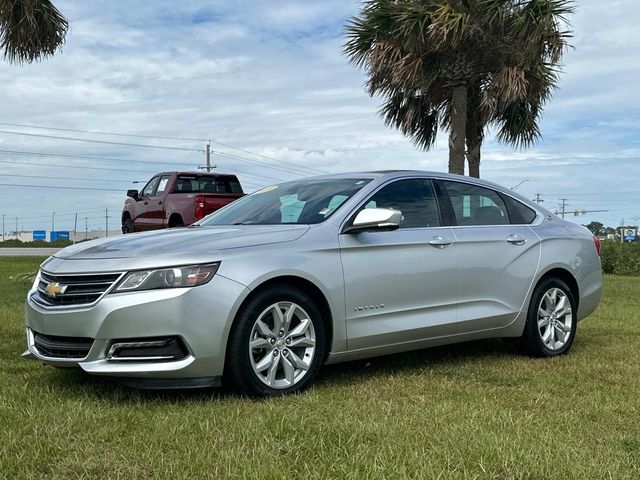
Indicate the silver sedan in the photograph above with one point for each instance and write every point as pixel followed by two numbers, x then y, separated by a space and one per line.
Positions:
pixel 327 269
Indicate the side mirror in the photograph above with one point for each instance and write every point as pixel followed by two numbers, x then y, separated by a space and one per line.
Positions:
pixel 133 194
pixel 375 219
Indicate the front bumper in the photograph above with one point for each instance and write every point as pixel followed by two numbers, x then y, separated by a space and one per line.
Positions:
pixel 201 317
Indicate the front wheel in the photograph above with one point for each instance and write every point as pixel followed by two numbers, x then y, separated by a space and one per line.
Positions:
pixel 127 226
pixel 552 319
pixel 277 344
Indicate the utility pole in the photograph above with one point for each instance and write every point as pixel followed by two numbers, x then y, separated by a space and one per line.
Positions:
pixel 86 227
pixel 563 207
pixel 75 229
pixel 106 222
pixel 3 215
pixel 17 228
pixel 538 200
pixel 53 222
pixel 622 231
pixel 207 151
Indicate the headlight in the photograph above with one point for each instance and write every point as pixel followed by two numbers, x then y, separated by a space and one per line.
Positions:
pixel 174 277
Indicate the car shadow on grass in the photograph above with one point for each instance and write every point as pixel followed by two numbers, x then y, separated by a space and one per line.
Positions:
pixel 438 360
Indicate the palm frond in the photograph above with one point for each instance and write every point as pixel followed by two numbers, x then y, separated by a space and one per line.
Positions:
pixel 30 30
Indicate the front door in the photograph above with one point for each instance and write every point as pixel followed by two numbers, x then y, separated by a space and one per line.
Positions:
pixel 401 285
pixel 142 219
pixel 498 254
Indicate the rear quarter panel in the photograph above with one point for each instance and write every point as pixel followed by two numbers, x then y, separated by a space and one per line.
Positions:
pixel 571 247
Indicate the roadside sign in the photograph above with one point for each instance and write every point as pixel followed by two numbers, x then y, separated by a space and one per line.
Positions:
pixel 629 235
pixel 59 235
pixel 39 234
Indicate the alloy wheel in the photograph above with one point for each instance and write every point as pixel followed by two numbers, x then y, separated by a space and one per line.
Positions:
pixel 282 345
pixel 555 318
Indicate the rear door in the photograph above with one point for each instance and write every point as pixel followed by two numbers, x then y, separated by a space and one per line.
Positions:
pixel 401 285
pixel 498 253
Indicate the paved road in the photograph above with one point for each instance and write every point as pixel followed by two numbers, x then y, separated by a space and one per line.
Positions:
pixel 30 252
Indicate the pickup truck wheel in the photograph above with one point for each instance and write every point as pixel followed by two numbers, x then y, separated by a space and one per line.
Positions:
pixel 175 222
pixel 277 344
pixel 127 226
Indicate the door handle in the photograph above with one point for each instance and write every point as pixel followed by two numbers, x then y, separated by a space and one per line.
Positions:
pixel 516 239
pixel 146 203
pixel 160 202
pixel 440 242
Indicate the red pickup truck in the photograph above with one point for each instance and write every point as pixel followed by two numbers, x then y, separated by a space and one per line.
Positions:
pixel 174 199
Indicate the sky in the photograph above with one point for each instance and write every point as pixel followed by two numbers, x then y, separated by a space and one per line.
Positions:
pixel 270 79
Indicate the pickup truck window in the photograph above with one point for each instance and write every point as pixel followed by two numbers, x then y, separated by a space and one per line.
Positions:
pixel 162 186
pixel 206 184
pixel 150 188
pixel 301 202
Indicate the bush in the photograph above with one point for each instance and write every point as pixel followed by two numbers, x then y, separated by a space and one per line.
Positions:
pixel 36 243
pixel 620 259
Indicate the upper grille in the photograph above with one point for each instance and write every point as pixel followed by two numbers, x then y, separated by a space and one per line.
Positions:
pixel 72 290
pixel 62 347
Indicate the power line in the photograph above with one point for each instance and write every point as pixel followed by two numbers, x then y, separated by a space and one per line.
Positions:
pixel 160 137
pixel 75 139
pixel 58 187
pixel 15 162
pixel 94 132
pixel 257 162
pixel 48 177
pixel 270 158
pixel 107 159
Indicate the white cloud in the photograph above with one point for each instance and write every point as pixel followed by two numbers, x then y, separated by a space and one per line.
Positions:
pixel 271 77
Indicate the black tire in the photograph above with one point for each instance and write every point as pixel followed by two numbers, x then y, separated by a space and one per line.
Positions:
pixel 127 226
pixel 175 222
pixel 238 367
pixel 532 335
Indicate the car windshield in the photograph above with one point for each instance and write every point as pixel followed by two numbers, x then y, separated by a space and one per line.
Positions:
pixel 301 202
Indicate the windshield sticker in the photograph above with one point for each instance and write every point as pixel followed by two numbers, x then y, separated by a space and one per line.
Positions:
pixel 267 189
pixel 324 211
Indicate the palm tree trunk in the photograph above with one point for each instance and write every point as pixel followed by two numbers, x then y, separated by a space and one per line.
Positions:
pixel 458 129
pixel 474 130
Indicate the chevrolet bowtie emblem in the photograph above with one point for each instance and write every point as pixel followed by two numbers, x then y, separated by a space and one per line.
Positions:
pixel 54 289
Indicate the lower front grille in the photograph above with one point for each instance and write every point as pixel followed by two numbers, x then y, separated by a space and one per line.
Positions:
pixel 62 347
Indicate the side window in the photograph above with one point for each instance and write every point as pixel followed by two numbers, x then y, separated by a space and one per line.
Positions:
pixel 150 188
pixel 163 184
pixel 415 198
pixel 473 205
pixel 519 213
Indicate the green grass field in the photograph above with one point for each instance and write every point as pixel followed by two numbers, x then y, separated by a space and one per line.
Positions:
pixel 477 410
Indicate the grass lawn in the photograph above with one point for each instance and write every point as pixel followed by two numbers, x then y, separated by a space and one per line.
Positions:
pixel 477 410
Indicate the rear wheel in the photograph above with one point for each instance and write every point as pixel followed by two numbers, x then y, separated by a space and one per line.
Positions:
pixel 127 226
pixel 277 344
pixel 176 221
pixel 551 320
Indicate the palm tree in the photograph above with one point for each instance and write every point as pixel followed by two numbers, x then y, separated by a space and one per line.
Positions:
pixel 461 65
pixel 30 30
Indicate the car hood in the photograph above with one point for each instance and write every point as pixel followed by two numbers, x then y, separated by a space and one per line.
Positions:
pixel 190 241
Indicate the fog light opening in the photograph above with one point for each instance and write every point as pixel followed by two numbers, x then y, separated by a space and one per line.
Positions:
pixel 151 349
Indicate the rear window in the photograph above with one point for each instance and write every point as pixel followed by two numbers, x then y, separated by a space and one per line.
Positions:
pixel 206 184
pixel 519 213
